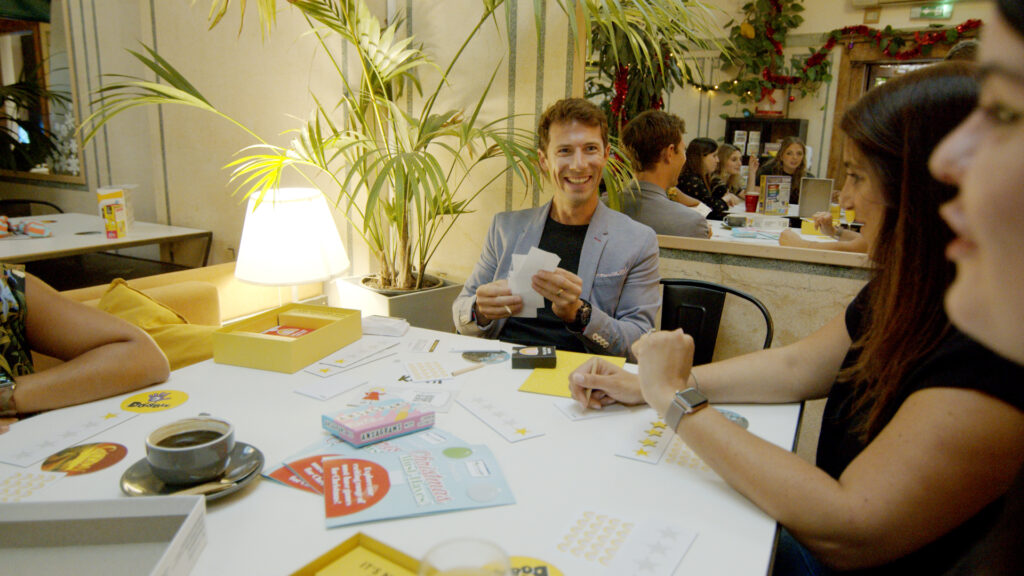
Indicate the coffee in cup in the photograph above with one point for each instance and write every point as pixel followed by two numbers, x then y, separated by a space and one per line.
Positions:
pixel 191 450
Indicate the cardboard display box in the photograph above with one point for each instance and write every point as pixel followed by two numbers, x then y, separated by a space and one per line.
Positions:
pixel 258 342
pixel 127 536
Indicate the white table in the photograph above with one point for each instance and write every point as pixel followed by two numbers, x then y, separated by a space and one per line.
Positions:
pixel 271 529
pixel 74 234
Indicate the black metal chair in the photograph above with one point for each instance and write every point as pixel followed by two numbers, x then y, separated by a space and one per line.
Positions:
pixel 696 307
pixel 15 207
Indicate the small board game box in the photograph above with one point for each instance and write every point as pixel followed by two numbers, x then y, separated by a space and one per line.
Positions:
pixel 364 425
pixel 531 357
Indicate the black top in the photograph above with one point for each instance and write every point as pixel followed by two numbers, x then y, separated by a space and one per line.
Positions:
pixel 546 328
pixel 958 362
pixel 694 185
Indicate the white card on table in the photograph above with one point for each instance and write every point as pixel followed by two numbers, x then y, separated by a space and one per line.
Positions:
pixel 438 399
pixel 363 349
pixel 33 439
pixel 508 425
pixel 327 389
pixel 574 411
pixel 648 442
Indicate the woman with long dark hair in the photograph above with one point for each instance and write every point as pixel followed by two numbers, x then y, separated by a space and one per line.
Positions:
pixel 920 437
pixel 695 179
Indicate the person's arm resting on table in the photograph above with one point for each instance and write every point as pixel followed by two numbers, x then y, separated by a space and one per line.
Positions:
pixel 913 483
pixel 103 355
pixel 846 240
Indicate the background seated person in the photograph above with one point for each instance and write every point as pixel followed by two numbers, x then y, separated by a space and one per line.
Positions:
pixel 695 180
pixel 654 142
pixel 605 292
pixel 790 161
pixel 846 240
pixel 726 180
pixel 921 434
pixel 103 355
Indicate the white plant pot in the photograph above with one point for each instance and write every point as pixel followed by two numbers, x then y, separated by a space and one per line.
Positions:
pixel 431 308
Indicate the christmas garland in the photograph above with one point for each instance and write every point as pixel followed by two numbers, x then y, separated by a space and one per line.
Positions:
pixel 817 67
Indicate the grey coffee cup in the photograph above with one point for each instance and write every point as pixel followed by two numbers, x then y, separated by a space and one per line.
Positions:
pixel 190 451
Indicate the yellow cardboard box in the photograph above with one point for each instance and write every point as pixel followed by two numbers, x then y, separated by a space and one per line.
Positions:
pixel 316 331
pixel 117 209
pixel 361 555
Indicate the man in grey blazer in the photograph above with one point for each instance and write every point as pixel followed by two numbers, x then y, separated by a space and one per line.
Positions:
pixel 654 142
pixel 604 294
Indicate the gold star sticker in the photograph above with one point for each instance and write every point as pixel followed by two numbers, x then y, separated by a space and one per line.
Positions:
pixel 109 416
pixel 658 424
pixel 641 452
pixel 654 432
pixel 649 442
pixel 521 431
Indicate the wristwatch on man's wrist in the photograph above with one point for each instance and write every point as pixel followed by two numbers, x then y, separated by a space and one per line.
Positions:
pixel 684 402
pixel 579 323
pixel 7 386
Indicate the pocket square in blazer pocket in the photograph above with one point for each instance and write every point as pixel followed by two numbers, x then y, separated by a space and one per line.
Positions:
pixel 617 273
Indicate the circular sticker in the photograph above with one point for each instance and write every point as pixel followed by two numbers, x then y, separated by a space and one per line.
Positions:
pixel 154 401
pixel 485 356
pixel 456 452
pixel 524 565
pixel 85 458
pixel 351 485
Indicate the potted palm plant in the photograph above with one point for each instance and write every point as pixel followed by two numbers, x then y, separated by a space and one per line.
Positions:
pixel 402 179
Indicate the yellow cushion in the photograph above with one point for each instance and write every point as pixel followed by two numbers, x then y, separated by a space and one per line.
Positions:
pixel 181 342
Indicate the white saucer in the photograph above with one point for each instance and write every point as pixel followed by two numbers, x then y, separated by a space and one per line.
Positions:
pixel 138 479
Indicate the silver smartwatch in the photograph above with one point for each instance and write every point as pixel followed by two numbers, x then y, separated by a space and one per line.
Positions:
pixel 684 402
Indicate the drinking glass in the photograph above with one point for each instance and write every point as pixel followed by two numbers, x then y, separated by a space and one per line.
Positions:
pixel 465 557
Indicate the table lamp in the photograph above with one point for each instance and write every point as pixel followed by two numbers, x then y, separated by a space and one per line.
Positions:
pixel 289 238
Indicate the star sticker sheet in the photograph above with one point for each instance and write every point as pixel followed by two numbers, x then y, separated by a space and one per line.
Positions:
pixel 648 442
pixel 31 440
pixel 596 543
pixel 19 485
pixel 510 426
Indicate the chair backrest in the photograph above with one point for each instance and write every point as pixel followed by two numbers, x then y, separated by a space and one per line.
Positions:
pixel 13 208
pixel 696 307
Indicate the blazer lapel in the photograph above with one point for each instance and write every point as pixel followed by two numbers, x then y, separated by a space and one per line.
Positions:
pixel 593 246
pixel 534 229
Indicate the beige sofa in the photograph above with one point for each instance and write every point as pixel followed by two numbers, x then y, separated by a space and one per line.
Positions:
pixel 210 295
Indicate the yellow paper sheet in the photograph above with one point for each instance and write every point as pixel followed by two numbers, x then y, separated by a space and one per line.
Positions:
pixel 555 381
pixel 808 228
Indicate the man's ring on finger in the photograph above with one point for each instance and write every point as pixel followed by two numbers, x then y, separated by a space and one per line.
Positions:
pixel 509 310
pixel 560 290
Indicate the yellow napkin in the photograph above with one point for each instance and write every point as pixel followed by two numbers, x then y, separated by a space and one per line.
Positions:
pixel 555 381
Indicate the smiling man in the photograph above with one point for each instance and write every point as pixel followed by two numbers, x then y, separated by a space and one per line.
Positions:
pixel 604 295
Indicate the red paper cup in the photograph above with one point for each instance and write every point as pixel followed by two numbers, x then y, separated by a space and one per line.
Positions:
pixel 752 202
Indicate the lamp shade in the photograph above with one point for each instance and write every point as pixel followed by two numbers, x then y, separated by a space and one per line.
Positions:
pixel 289 238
